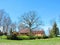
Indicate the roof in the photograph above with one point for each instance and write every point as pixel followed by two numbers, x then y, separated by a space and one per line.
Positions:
pixel 24 31
pixel 38 32
pixel 34 32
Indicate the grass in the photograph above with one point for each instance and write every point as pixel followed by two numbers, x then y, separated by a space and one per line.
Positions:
pixel 51 41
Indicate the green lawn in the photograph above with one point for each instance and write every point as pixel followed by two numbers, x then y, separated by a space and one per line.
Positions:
pixel 52 41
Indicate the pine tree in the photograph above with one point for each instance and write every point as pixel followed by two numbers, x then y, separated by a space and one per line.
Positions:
pixel 54 31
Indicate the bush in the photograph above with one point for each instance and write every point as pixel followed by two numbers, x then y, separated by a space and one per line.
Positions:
pixel 5 33
pixel 45 37
pixel 1 33
pixel 28 37
pixel 9 37
pixel 23 37
pixel 32 37
pixel 38 37
pixel 12 37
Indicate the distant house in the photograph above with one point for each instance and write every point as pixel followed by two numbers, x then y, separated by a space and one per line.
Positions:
pixel 35 33
pixel 24 31
pixel 38 33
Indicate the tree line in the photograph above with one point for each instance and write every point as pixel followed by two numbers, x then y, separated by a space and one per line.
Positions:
pixel 6 22
pixel 28 20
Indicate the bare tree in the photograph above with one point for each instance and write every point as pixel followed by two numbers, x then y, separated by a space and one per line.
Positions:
pixel 7 22
pixel 21 26
pixel 13 26
pixel 31 21
pixel 2 14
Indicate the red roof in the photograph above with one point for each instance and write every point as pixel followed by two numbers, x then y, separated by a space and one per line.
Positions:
pixel 38 32
pixel 34 32
pixel 24 31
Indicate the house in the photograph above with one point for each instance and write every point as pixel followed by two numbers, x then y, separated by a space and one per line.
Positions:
pixel 38 33
pixel 24 31
pixel 35 33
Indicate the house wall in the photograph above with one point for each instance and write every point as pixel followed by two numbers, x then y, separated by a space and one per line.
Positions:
pixel 38 34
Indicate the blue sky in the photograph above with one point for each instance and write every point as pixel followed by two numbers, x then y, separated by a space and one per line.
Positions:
pixel 47 9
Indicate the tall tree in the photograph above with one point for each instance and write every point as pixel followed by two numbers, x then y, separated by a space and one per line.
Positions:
pixel 7 22
pixel 31 21
pixel 55 31
pixel 2 15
